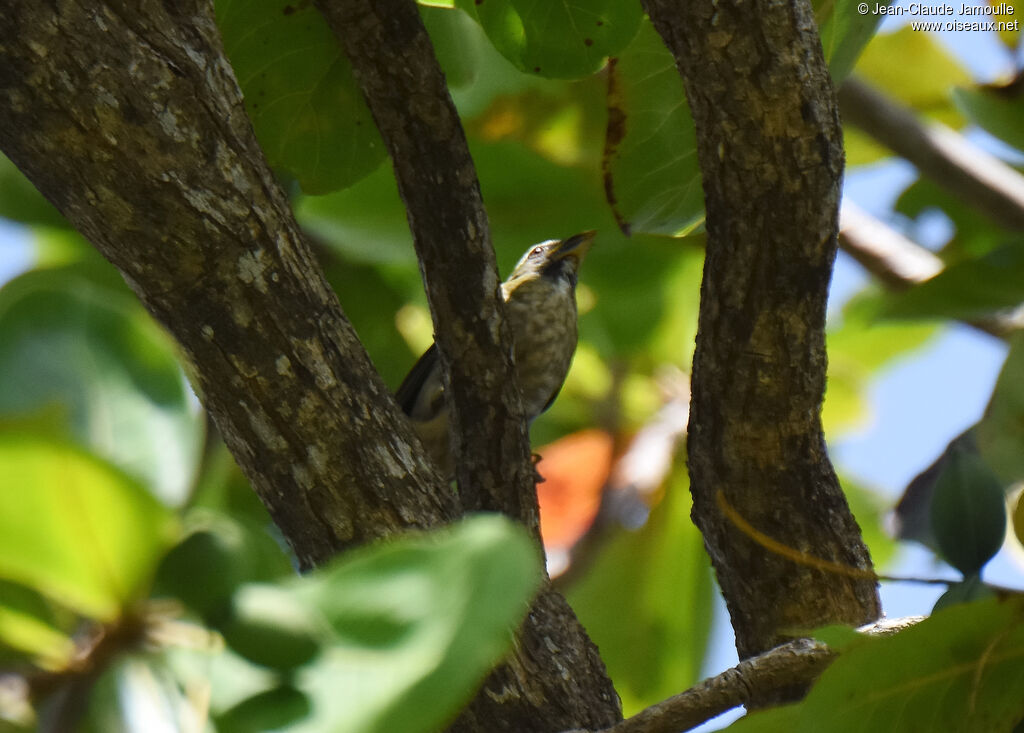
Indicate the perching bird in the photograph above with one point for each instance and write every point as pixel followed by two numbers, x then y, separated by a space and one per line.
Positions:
pixel 540 304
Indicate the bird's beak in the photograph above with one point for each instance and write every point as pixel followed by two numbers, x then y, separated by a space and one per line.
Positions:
pixel 575 247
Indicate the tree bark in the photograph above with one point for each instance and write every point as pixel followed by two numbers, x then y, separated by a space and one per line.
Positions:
pixel 129 119
pixel 770 151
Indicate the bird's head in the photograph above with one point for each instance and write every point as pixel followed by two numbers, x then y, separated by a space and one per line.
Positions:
pixel 554 260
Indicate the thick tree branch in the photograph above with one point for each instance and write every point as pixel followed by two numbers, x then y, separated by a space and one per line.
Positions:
pixel 941 154
pixel 769 145
pixel 554 678
pixel 128 118
pixel 394 63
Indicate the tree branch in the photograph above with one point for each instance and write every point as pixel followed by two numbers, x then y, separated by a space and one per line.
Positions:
pixel 128 118
pixel 395 66
pixel 941 154
pixel 769 145
pixel 900 263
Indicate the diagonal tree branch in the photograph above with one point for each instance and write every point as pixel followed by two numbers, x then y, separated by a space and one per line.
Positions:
pixel 127 116
pixel 770 151
pixel 939 153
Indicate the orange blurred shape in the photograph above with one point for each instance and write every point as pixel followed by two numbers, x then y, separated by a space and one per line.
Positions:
pixel 575 469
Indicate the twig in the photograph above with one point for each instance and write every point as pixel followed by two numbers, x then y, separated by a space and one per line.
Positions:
pixel 939 153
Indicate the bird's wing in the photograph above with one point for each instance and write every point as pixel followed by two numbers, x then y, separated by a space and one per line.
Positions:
pixel 410 388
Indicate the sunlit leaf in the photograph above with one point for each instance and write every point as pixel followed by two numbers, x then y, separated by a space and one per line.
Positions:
pixel 309 115
pixel 652 179
pixel 21 202
pixel 416 624
pixel 74 528
pixel 557 39
pixel 74 346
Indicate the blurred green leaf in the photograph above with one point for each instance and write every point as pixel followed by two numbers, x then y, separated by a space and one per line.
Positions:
pixel 27 627
pixel 417 623
pixel 72 345
pixel 968 289
pixel 958 671
pixel 74 528
pixel 844 33
pixel 968 511
pixel 974 233
pixel 970 589
pixel 1000 433
pixel 273 709
pixel 272 627
pixel 559 39
pixel 651 174
pixel 308 113
pixel 647 602
pixel 21 202
pixel 1000 114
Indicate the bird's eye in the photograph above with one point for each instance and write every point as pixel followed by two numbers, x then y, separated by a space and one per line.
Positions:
pixel 536 251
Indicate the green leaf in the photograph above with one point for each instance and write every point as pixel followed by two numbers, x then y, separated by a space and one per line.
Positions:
pixel 968 289
pixel 21 202
pixel 74 528
pixel 309 115
pixel 27 627
pixel 959 671
pixel 845 31
pixel 1000 434
pixel 417 623
pixel 557 39
pixel 86 352
pixel 646 602
pixel 1000 114
pixel 968 513
pixel 652 179
pixel 970 589
pixel 272 627
pixel 269 710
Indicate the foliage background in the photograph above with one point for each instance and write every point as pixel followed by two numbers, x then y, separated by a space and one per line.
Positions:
pixel 115 490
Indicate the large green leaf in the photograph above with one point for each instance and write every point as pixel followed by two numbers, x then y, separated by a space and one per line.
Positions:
pixel 86 352
pixel 309 115
pixel 960 671
pixel 557 39
pixel 74 528
pixel 647 601
pixel 414 626
pixel 968 289
pixel 651 174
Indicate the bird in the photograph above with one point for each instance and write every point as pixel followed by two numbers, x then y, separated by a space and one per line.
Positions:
pixel 540 305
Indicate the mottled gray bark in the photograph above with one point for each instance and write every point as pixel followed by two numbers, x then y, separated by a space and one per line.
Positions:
pixel 771 156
